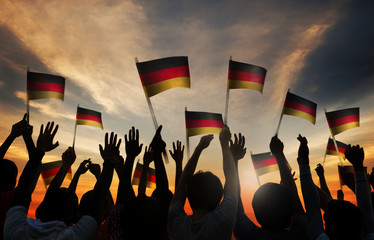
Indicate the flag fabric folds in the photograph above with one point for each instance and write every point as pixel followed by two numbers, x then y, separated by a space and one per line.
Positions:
pixel 162 74
pixel 331 150
pixel 264 163
pixel 88 117
pixel 151 176
pixel 300 107
pixel 243 75
pixel 41 86
pixel 342 120
pixel 49 171
pixel 203 123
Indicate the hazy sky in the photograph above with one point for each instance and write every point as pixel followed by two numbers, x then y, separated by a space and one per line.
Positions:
pixel 321 50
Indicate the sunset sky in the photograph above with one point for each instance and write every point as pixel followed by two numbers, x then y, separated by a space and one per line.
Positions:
pixel 321 50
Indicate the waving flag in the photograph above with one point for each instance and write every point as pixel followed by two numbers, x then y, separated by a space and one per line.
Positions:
pixel 162 74
pixel 151 176
pixel 88 117
pixel 49 171
pixel 243 75
pixel 264 163
pixel 331 150
pixel 300 107
pixel 342 120
pixel 202 123
pixel 41 85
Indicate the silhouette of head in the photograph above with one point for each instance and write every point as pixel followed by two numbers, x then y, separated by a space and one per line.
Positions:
pixel 140 219
pixel 86 202
pixel 58 204
pixel 273 206
pixel 204 191
pixel 343 220
pixel 8 175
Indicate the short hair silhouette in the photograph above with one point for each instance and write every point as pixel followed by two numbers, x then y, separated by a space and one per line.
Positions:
pixel 204 191
pixel 273 206
pixel 343 220
pixel 59 204
pixel 86 203
pixel 8 175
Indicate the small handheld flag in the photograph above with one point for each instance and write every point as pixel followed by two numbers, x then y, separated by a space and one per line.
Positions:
pixel 151 177
pixel 347 176
pixel 300 107
pixel 41 86
pixel 202 123
pixel 331 150
pixel 342 120
pixel 50 170
pixel 88 117
pixel 264 163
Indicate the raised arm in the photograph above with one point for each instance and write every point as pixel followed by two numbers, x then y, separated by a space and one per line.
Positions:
pixel 276 147
pixel 133 149
pixel 310 194
pixel 322 181
pixel 188 171
pixel 68 158
pixel 158 147
pixel 147 159
pixel 82 169
pixel 177 155
pixel 31 172
pixel 355 155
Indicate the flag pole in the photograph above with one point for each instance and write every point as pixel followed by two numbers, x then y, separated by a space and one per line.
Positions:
pixel 324 160
pixel 336 145
pixel 257 177
pixel 153 116
pixel 187 138
pixel 227 100
pixel 281 117
pixel 75 130
pixel 27 99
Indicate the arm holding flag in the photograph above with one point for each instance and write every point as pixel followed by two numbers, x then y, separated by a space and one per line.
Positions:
pixel 82 169
pixel 177 155
pixel 355 155
pixel 322 180
pixel 147 159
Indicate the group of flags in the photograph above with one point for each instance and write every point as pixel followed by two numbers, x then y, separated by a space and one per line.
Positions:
pixel 162 74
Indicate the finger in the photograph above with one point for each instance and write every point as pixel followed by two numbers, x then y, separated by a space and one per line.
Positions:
pixel 106 139
pixel 183 149
pixel 55 131
pixel 132 133
pixel 236 138
pixel 115 139
pixel 140 147
pixel 240 138
pixel 51 127
pixel 41 129
pixel 231 143
pixel 24 117
pixel 171 154
pixel 126 141
pixel 101 149
pixel 158 132
pixel 146 150
pixel 111 138
pixel 243 142
pixel 137 135
pixel 55 145
pixel 174 146
pixel 119 143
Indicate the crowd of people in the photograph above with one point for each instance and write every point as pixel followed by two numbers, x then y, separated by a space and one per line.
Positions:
pixel 217 210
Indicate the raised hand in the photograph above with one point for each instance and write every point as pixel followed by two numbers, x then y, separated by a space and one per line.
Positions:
pixel 95 169
pixel 148 156
pixel 132 146
pixel 303 154
pixel 158 145
pixel 237 147
pixel 276 145
pixel 205 141
pixel 45 139
pixel 20 127
pixel 225 135
pixel 177 153
pixel 84 166
pixel 319 170
pixel 68 157
pixel 110 149
pixel 355 156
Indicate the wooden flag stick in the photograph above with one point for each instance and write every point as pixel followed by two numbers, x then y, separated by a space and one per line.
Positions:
pixel 324 160
pixel 27 99
pixel 281 117
pixel 187 139
pixel 75 130
pixel 227 100
pixel 257 177
pixel 336 145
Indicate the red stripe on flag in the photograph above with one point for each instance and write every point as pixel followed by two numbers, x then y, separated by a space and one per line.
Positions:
pixel 244 76
pixel 44 86
pixel 137 174
pixel 151 178
pixel 332 147
pixel 264 163
pixel 50 172
pixel 343 120
pixel 300 107
pixel 165 74
pixel 203 123
pixel 88 117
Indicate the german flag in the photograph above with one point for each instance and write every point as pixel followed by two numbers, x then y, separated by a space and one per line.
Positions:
pixel 41 86
pixel 49 171
pixel 243 75
pixel 202 123
pixel 151 176
pixel 330 149
pixel 342 120
pixel 162 74
pixel 347 176
pixel 264 163
pixel 88 117
pixel 300 107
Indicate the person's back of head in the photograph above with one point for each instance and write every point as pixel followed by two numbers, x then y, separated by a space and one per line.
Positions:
pixel 140 219
pixel 204 191
pixel 343 220
pixel 59 204
pixel 8 175
pixel 273 206
pixel 86 202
